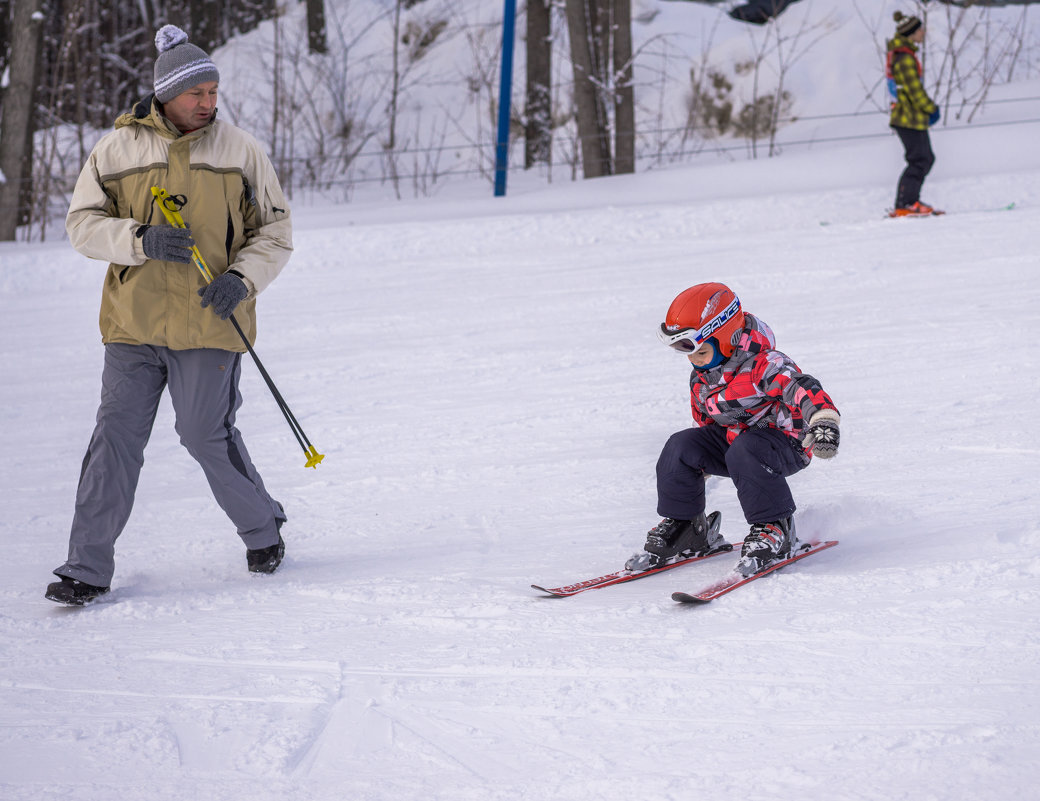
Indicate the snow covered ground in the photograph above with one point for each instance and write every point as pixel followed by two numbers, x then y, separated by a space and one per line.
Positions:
pixel 485 380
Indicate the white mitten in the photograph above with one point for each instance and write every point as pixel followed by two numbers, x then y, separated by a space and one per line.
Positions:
pixel 822 433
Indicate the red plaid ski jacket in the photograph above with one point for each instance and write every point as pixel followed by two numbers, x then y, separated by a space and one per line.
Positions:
pixel 758 387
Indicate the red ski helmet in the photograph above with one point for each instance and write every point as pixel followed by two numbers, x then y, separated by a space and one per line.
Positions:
pixel 700 313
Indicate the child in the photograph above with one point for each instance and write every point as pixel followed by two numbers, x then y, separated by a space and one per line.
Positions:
pixel 758 419
pixel 913 113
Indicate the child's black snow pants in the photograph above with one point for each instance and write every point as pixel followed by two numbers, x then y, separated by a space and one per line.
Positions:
pixel 758 461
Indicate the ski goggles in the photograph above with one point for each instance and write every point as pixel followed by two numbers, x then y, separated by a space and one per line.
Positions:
pixel 691 340
pixel 685 340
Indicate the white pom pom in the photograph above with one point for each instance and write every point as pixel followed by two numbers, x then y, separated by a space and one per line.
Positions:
pixel 169 36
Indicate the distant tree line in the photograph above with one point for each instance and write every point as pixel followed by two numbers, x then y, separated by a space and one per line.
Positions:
pixel 84 62
pixel 317 100
pixel 95 56
pixel 600 36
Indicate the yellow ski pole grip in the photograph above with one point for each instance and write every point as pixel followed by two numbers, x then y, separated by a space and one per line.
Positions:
pixel 172 213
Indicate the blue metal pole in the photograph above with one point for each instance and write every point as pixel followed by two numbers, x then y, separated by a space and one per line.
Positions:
pixel 505 93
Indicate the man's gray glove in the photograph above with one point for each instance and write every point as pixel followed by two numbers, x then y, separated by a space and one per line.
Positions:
pixel 224 293
pixel 822 433
pixel 166 243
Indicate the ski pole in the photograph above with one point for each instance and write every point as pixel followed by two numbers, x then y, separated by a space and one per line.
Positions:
pixel 171 206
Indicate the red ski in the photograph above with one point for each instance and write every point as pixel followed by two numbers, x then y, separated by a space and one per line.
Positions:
pixel 733 580
pixel 621 576
pixel 632 573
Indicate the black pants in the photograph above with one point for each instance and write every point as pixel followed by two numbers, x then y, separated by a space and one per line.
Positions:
pixel 759 462
pixel 919 161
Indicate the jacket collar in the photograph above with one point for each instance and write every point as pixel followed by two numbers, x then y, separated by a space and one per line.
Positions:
pixel 147 113
pixel 901 43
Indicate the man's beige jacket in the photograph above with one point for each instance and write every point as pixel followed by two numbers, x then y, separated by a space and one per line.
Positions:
pixel 234 207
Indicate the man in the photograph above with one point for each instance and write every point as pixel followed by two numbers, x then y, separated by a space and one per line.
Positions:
pixel 913 113
pixel 156 329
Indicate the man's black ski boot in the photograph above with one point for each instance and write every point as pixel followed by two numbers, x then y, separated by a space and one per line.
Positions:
pixel 765 544
pixel 266 560
pixel 72 592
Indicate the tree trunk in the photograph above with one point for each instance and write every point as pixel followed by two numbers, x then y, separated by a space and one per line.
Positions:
pixel 205 18
pixel 624 113
pixel 317 41
pixel 18 125
pixel 250 13
pixel 391 141
pixel 5 42
pixel 538 132
pixel 600 41
pixel 595 146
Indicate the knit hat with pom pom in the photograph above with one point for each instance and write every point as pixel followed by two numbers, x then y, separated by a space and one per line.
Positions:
pixel 906 26
pixel 180 65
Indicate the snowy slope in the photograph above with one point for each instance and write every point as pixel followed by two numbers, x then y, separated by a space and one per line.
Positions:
pixel 484 378
pixel 828 56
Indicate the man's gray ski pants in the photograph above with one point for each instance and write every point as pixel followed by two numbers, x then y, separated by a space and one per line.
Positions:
pixel 203 387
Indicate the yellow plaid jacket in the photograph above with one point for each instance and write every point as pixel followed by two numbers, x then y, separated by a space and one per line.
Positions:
pixel 912 106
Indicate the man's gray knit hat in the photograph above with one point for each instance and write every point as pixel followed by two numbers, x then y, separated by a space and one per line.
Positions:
pixel 180 65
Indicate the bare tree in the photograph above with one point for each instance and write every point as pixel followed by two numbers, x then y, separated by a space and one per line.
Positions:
pixel 977 48
pixel 18 126
pixel 538 111
pixel 600 34
pixel 779 47
pixel 791 48
pixel 204 16
pixel 417 36
pixel 317 40
pixel 5 41
pixel 390 144
pixel 625 108
pixel 592 134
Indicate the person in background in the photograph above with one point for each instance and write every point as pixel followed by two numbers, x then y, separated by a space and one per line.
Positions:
pixel 913 113
pixel 162 325
pixel 757 420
